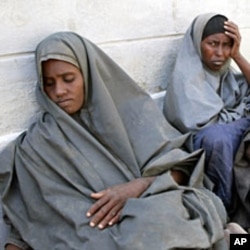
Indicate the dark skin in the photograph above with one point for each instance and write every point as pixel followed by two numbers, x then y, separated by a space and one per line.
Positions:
pixel 216 49
pixel 13 247
pixel 232 31
pixel 107 209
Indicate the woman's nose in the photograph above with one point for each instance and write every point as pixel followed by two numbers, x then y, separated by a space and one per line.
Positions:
pixel 219 51
pixel 60 89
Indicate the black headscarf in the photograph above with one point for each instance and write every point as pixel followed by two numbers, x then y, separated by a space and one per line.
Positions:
pixel 214 25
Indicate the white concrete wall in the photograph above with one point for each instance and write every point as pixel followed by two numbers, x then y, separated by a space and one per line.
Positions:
pixel 141 35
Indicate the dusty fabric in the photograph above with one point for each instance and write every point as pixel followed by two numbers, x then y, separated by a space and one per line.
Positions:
pixel 47 176
pixel 3 229
pixel 213 26
pixel 241 210
pixel 197 97
pixel 221 142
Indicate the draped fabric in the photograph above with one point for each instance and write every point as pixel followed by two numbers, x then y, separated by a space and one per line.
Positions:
pixel 214 106
pixel 48 174
pixel 197 97
pixel 221 142
pixel 241 208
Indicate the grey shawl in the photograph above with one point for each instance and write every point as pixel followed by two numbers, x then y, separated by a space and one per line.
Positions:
pixel 241 208
pixel 47 176
pixel 197 97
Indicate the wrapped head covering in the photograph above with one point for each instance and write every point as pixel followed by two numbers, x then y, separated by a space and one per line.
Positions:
pixel 196 96
pixel 214 25
pixel 119 135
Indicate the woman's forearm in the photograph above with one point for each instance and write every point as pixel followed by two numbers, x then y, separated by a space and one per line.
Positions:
pixel 12 247
pixel 180 177
pixel 146 182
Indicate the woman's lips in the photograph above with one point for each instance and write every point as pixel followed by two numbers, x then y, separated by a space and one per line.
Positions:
pixel 63 102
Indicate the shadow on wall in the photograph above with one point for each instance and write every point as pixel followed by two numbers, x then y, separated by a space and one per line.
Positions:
pixel 163 75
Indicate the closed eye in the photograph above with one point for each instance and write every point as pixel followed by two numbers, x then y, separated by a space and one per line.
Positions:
pixel 69 79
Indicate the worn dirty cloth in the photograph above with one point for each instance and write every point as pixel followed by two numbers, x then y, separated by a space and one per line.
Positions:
pixel 241 207
pixel 221 142
pixel 48 174
pixel 197 97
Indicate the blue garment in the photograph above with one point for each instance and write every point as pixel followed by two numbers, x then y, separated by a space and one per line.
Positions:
pixel 221 142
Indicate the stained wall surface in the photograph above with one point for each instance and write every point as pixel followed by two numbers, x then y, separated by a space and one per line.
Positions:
pixel 141 35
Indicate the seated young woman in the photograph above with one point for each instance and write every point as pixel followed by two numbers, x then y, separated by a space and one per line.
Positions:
pixel 101 168
pixel 209 98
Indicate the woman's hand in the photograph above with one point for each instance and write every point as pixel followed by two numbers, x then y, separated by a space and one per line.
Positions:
pixel 232 31
pixel 107 209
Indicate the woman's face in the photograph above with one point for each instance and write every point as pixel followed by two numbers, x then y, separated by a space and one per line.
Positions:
pixel 215 50
pixel 64 84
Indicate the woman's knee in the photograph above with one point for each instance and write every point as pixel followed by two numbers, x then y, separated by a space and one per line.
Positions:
pixel 214 137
